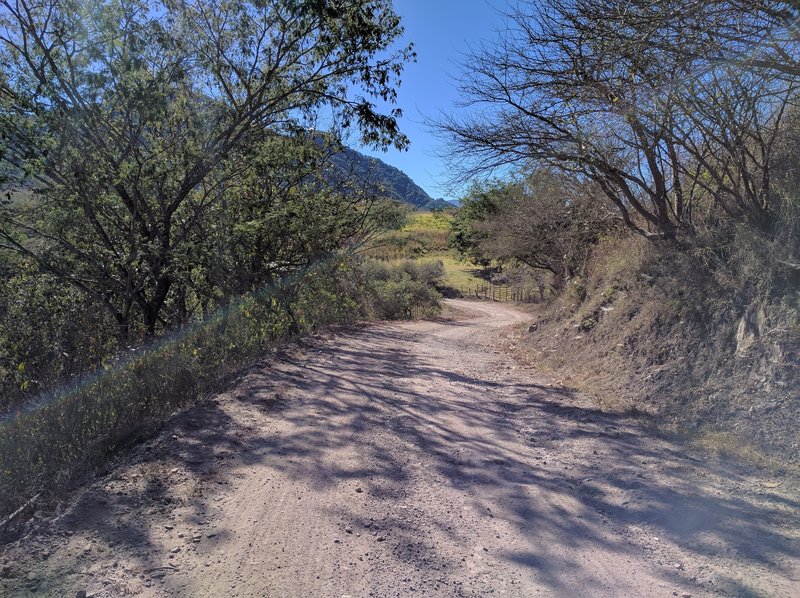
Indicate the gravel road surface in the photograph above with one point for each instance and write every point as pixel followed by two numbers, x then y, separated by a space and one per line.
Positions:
pixel 413 459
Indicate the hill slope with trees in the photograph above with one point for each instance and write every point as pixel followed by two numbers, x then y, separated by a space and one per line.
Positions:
pixel 384 179
pixel 176 220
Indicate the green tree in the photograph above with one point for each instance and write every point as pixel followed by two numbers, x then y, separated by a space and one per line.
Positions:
pixel 466 236
pixel 133 120
pixel 544 220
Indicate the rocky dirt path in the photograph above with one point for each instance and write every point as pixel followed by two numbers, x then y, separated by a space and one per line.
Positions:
pixel 413 459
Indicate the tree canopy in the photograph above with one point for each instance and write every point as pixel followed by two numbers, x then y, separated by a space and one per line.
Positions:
pixel 665 106
pixel 164 142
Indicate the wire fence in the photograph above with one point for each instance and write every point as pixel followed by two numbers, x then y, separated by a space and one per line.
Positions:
pixel 500 293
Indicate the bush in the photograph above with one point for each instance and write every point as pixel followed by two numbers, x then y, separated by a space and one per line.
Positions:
pixel 393 292
pixel 428 273
pixel 65 433
pixel 49 334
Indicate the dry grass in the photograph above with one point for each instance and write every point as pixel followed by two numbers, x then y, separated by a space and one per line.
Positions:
pixel 729 446
pixel 68 434
pixel 726 444
pixel 645 333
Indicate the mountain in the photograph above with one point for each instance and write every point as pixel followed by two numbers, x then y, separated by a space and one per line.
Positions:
pixel 392 182
pixel 439 204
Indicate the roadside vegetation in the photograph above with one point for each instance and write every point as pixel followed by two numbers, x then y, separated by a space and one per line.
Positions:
pixel 654 197
pixel 426 239
pixel 168 210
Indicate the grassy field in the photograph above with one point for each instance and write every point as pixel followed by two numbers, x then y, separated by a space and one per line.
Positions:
pixel 428 221
pixel 424 238
pixel 460 274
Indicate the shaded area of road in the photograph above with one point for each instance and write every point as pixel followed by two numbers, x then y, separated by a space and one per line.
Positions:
pixel 408 459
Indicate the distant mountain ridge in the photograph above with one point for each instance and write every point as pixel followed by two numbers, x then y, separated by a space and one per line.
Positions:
pixel 392 182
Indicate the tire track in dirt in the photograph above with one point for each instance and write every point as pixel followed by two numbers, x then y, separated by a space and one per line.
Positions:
pixel 413 459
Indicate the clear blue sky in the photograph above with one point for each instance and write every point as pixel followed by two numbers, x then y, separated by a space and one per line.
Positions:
pixel 442 30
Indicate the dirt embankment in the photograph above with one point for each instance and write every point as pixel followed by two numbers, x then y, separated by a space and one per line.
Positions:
pixel 652 331
pixel 406 459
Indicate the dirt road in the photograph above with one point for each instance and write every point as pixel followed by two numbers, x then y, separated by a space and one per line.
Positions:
pixel 413 459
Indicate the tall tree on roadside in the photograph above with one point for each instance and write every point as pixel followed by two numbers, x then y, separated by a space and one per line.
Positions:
pixel 131 119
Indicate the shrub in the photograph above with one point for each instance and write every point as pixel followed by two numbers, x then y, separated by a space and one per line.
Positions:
pixel 49 334
pixel 428 273
pixel 398 291
pixel 65 433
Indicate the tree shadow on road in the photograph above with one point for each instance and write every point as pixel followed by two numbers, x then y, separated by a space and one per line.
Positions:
pixel 558 470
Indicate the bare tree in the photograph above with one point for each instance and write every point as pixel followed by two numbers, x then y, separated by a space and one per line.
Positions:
pixel 649 100
pixel 544 220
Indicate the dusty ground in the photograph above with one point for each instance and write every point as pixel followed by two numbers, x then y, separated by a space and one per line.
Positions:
pixel 413 459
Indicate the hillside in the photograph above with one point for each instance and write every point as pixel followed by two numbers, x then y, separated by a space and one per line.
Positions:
pixel 392 182
pixel 646 331
pixel 425 238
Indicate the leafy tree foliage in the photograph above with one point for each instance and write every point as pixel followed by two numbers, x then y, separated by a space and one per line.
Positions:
pixel 545 220
pixel 476 207
pixel 164 141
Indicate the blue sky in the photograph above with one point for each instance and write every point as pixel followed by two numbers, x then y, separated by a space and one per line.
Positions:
pixel 442 30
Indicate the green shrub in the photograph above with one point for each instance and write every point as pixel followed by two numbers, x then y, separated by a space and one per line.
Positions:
pixel 48 334
pixel 63 434
pixel 431 274
pixel 68 432
pixel 393 292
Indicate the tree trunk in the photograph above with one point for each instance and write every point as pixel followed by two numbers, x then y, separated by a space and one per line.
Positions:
pixel 152 308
